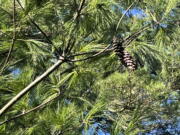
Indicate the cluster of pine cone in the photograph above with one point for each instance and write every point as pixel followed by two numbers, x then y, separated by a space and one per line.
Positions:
pixel 124 57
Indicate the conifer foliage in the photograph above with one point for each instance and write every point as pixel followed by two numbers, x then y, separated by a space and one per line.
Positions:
pixel 61 67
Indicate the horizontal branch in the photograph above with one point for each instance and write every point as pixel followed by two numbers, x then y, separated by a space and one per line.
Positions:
pixel 93 56
pixel 90 52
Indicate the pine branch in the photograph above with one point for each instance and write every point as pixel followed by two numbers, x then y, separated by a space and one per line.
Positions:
pixel 40 78
pixel 50 70
pixel 93 56
pixel 29 111
pixel 134 36
pixel 35 24
pixel 125 42
pixel 31 85
pixel 79 9
pixel 38 27
pixel 124 15
pixel 13 38
pixel 70 46
pixel 6 12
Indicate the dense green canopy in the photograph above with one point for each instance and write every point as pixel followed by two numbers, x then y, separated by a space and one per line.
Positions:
pixel 71 67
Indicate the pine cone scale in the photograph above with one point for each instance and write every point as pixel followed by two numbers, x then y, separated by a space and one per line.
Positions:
pixel 125 58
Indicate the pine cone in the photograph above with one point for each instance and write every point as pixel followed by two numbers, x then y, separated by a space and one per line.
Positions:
pixel 124 57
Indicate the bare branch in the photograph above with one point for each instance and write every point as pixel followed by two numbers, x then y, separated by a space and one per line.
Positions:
pixel 83 53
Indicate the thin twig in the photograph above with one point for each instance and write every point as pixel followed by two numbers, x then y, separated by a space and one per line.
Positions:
pixel 13 38
pixel 83 53
pixel 124 15
pixel 35 24
pixel 29 111
pixel 99 53
pixel 38 27
pixel 79 10
pixel 70 46
pixel 6 12
pixel 68 70
pixel 133 36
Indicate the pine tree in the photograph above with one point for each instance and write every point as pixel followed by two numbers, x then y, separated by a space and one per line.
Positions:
pixel 66 53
